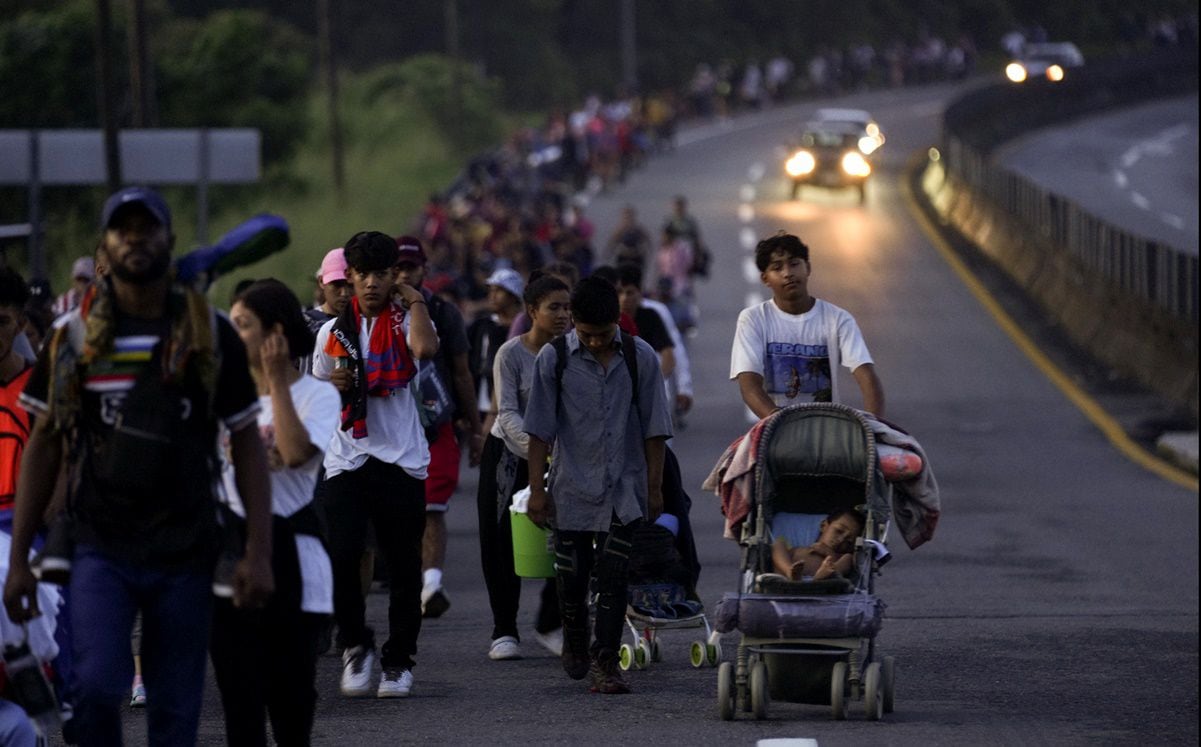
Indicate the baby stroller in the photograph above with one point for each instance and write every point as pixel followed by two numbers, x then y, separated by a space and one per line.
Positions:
pixel 809 641
pixel 662 596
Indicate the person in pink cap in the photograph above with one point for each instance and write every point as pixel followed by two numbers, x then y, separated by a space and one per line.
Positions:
pixel 335 294
pixel 83 272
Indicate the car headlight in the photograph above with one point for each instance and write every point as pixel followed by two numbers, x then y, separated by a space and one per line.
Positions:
pixel 867 144
pixel 1015 72
pixel 801 163
pixel 854 164
pixel 1054 73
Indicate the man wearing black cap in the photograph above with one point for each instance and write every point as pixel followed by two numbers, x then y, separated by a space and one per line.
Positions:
pixel 140 378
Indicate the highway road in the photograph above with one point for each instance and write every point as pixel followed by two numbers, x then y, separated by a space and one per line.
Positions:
pixel 1136 166
pixel 1057 604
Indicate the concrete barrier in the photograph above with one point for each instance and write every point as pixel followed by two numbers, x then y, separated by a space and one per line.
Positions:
pixel 1128 334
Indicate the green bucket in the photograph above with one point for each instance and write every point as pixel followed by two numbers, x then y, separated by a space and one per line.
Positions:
pixel 532 555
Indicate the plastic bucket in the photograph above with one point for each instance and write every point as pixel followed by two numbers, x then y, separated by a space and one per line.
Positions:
pixel 532 555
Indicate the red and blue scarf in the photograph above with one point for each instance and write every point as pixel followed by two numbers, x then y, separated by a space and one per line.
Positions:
pixel 385 368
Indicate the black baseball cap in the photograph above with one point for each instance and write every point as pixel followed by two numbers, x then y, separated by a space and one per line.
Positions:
pixel 145 196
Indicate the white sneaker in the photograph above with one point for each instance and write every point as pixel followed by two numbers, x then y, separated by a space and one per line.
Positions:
pixel 396 683
pixel 552 641
pixel 505 647
pixel 357 664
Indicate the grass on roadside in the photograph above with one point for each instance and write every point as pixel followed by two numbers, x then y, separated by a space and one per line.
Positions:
pixel 394 157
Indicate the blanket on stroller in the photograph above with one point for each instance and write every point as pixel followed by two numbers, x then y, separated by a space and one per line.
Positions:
pixel 775 616
pixel 916 507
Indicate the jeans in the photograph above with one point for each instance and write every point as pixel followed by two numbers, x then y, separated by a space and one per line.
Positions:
pixel 394 502
pixel 496 552
pixel 106 594
pixel 576 563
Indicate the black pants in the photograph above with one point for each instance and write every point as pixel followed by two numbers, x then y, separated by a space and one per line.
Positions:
pixel 394 502
pixel 265 660
pixel 496 552
pixel 576 561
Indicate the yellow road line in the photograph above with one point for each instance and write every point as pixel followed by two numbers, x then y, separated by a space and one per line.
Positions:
pixel 1107 424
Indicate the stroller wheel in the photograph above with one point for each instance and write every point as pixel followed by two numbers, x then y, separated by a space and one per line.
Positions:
pixel 838 689
pixel 888 681
pixel 642 655
pixel 725 691
pixel 759 695
pixel 697 654
pixel 625 657
pixel 712 654
pixel 656 654
pixel 873 698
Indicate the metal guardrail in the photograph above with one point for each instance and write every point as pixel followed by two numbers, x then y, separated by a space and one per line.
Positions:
pixel 1159 274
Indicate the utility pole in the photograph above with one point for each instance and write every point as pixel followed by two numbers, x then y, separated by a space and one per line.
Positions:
pixel 104 69
pixel 139 72
pixel 329 71
pixel 452 51
pixel 629 60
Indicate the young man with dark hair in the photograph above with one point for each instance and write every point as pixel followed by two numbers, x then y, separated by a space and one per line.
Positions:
pixel 648 322
pixel 377 462
pixel 445 456
pixel 602 407
pixel 787 348
pixel 129 393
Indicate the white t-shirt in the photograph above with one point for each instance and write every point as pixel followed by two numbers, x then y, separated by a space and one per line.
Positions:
pixel 394 432
pixel 797 353
pixel 318 406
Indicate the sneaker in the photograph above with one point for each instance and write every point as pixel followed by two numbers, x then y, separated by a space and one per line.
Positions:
pixel 434 604
pixel 606 678
pixel 505 647
pixel 552 641
pixel 396 683
pixel 575 657
pixel 357 663
pixel 138 697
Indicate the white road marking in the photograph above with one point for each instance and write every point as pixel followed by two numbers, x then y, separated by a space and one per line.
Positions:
pixel 1159 144
pixel 753 298
pixel 746 212
pixel 1119 178
pixel 747 193
pixel 756 171
pixel 750 273
pixel 747 238
pixel 1175 221
pixel 1138 199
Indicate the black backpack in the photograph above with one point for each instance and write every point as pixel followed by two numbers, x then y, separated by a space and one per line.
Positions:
pixel 628 351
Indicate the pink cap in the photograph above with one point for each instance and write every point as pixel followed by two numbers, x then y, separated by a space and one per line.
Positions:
pixel 333 267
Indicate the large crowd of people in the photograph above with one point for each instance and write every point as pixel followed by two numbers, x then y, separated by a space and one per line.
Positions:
pixel 226 488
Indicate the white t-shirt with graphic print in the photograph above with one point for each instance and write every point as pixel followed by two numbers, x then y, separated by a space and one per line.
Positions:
pixel 796 354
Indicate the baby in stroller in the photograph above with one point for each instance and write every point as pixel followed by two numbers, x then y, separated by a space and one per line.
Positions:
pixel 832 554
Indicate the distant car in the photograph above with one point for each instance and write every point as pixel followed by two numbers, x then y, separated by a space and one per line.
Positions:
pixel 1049 60
pixel 871 137
pixel 827 155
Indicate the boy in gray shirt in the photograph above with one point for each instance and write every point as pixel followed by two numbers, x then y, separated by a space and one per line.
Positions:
pixel 604 409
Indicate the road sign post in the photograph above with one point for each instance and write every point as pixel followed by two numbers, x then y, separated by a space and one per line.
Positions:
pixel 198 157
